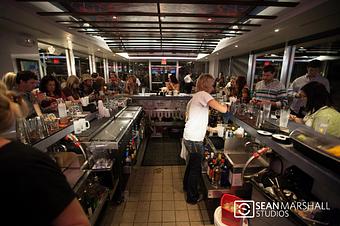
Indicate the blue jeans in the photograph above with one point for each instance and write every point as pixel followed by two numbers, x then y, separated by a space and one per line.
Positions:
pixel 192 175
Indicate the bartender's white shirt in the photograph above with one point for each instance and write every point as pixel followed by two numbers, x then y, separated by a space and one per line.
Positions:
pixel 198 117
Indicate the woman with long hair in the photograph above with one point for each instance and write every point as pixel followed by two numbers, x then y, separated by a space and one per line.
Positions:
pixel 319 108
pixel 50 86
pixel 131 86
pixel 71 91
pixel 173 83
pixel 194 132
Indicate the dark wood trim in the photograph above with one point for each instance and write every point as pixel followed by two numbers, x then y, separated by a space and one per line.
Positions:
pixel 166 42
pixel 170 28
pixel 204 15
pixel 156 22
pixel 205 2
pixel 169 32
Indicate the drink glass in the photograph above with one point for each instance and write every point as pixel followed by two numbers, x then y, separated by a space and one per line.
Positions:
pixel 284 116
pixel 220 130
pixel 77 126
pixel 259 119
pixel 266 110
pixel 22 131
pixel 143 91
pixel 84 124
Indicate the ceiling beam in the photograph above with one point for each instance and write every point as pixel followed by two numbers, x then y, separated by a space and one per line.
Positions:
pixel 164 39
pixel 198 42
pixel 173 28
pixel 164 50
pixel 156 22
pixel 204 15
pixel 174 32
pixel 205 2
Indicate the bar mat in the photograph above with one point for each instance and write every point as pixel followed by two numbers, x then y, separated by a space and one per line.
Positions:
pixel 95 125
pixel 163 151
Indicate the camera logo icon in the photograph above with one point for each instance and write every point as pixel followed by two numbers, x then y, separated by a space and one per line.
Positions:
pixel 244 209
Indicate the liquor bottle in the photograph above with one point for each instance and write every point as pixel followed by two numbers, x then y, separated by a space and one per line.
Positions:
pixel 211 170
pixel 224 174
pixel 217 174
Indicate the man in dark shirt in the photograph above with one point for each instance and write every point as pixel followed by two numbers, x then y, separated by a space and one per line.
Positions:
pixel 26 82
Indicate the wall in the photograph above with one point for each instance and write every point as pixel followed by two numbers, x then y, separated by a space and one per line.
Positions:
pixel 13 46
pixel 239 65
pixel 213 67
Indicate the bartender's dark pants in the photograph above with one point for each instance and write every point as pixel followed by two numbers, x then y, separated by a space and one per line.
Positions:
pixel 192 175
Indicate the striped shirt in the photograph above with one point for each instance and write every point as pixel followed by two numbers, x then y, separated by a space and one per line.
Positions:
pixel 273 91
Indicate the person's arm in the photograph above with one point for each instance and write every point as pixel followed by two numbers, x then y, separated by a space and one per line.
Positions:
pixel 296 119
pixel 72 215
pixel 176 87
pixel 217 106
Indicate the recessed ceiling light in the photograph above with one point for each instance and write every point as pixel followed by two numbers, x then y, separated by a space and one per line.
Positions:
pixel 301 47
pixel 86 25
pixel 114 17
pixel 209 19
pixel 236 46
pixel 277 30
pixel 98 49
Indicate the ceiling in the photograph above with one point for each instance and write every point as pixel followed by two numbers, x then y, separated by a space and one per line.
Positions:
pixel 164 27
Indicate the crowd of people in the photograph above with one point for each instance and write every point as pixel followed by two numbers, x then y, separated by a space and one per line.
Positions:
pixel 41 96
pixel 309 95
pixel 20 98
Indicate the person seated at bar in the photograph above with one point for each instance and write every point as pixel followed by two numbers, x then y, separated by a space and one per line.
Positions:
pixel 99 87
pixel 241 90
pixel 270 90
pixel 115 84
pixel 32 184
pixel 94 75
pixel 194 133
pixel 230 87
pixel 173 83
pixel 313 74
pixel 320 109
pixel 26 81
pixel 71 91
pixel 86 86
pixel 50 86
pixel 131 86
pixel 10 80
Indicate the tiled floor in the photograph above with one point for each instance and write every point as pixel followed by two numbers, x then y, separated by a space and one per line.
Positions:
pixel 155 197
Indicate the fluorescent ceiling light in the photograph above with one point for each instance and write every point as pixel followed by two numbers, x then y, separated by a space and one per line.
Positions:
pixel 159 58
pixel 201 55
pixel 125 55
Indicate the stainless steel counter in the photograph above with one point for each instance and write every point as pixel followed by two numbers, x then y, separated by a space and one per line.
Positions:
pixel 323 175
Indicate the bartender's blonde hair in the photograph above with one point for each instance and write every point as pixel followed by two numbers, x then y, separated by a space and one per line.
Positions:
pixel 9 79
pixel 205 82
pixel 9 110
